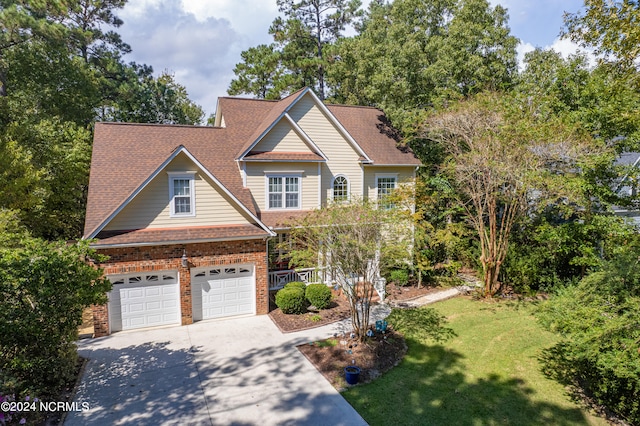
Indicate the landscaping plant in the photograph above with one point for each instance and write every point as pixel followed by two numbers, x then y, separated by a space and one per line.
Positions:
pixel 292 300
pixel 319 295
pixel 354 240
pixel 599 321
pixel 44 288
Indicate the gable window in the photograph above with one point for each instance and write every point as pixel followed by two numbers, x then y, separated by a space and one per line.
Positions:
pixel 182 194
pixel 340 188
pixel 284 192
pixel 385 184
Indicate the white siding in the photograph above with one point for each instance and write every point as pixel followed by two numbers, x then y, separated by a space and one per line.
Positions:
pixel 150 208
pixel 342 158
pixel 256 181
pixel 281 138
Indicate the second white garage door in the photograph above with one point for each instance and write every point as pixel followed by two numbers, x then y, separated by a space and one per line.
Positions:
pixel 223 291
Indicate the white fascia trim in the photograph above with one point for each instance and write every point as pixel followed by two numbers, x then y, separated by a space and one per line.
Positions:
pixel 335 122
pixel 319 185
pixel 181 149
pixel 304 136
pixel 244 174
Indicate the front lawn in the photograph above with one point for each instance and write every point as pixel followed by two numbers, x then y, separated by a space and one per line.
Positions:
pixel 489 374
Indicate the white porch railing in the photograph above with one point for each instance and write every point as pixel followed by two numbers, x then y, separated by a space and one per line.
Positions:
pixel 278 279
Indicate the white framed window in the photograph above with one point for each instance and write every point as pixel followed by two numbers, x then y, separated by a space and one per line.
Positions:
pixel 182 194
pixel 385 184
pixel 283 192
pixel 340 188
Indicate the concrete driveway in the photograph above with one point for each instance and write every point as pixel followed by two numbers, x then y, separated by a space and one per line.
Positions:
pixel 241 371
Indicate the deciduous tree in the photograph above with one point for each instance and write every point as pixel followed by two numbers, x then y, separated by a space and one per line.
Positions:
pixel 505 159
pixel 354 240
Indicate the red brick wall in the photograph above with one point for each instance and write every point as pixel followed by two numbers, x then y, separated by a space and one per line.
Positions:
pixel 169 257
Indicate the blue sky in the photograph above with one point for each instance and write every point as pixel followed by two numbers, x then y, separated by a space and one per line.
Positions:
pixel 200 41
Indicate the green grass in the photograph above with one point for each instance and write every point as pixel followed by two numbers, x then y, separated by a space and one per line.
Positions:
pixel 488 374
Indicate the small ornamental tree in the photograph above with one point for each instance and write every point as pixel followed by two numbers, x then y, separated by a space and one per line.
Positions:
pixel 353 239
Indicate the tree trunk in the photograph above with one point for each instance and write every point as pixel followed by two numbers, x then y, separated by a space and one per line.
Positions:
pixel 3 83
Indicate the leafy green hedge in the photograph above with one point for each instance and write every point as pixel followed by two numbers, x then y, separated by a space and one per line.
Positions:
pixel 44 288
pixel 599 320
pixel 319 295
pixel 291 300
pixel 296 284
pixel 399 277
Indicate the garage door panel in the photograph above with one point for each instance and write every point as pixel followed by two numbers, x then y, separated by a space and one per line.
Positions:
pixel 224 291
pixel 140 300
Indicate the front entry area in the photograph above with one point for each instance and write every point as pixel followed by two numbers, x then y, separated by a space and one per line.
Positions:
pixel 144 300
pixel 223 291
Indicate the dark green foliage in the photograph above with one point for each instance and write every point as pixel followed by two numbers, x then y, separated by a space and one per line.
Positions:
pixel 44 287
pixel 545 255
pixel 292 300
pixel 399 277
pixel 319 295
pixel 296 284
pixel 599 320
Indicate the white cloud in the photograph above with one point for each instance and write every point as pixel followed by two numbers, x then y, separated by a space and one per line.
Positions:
pixel 566 48
pixel 521 50
pixel 200 51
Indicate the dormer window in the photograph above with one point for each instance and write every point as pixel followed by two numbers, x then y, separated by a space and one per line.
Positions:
pixel 182 194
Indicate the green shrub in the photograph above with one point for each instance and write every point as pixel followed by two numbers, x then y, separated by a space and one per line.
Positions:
pixel 291 300
pixel 296 284
pixel 319 295
pixel 400 277
pixel 45 287
pixel 599 321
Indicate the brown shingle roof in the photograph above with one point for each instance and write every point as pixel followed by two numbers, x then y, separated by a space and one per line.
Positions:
pixel 281 219
pixel 126 155
pixel 176 235
pixel 372 131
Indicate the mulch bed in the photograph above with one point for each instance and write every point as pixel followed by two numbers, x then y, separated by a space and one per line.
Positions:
pixel 288 323
pixel 374 356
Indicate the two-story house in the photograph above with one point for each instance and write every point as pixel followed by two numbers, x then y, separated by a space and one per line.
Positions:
pixel 187 214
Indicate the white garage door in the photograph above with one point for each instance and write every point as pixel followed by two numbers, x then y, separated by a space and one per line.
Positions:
pixel 144 300
pixel 223 291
